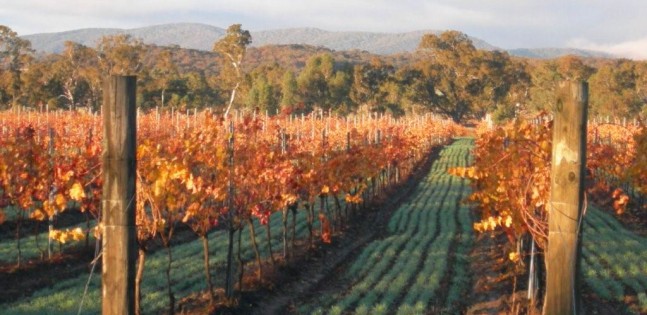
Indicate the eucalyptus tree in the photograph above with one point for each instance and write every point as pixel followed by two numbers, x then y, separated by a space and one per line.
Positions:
pixel 15 57
pixel 76 68
pixel 163 72
pixel 120 54
pixel 232 48
pixel 451 70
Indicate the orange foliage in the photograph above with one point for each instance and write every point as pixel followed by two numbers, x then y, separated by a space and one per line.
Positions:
pixel 511 173
pixel 183 170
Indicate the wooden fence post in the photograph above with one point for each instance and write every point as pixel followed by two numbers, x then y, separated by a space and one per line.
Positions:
pixel 118 204
pixel 566 201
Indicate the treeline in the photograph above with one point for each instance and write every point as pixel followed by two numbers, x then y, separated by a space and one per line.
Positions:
pixel 446 75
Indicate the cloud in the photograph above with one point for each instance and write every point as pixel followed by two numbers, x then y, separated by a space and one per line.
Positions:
pixel 504 23
pixel 34 16
pixel 632 49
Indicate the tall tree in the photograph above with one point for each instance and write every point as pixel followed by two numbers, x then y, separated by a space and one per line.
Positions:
pixel 39 83
pixel 614 89
pixel 261 94
pixel 289 92
pixel 232 48
pixel 15 56
pixel 312 82
pixel 120 54
pixel 546 75
pixel 367 84
pixel 408 80
pixel 505 85
pixel 452 67
pixel 641 86
pixel 76 66
pixel 163 72
pixel 339 86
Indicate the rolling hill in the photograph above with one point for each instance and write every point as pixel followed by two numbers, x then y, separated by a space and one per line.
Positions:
pixel 202 36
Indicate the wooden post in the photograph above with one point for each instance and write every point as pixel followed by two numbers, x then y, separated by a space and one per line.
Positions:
pixel 567 194
pixel 118 204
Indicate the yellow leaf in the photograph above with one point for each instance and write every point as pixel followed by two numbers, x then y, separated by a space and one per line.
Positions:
pixel 179 174
pixel 158 187
pixel 60 202
pixel 77 234
pixel 53 234
pixel 68 175
pixel 190 185
pixel 37 215
pixel 187 217
pixel 47 207
pixel 97 230
pixel 77 192
pixel 471 173
pixel 492 223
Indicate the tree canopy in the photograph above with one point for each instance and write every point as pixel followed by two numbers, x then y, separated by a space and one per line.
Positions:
pixel 447 75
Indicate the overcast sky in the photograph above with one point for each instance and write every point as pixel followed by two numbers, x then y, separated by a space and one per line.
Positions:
pixel 615 26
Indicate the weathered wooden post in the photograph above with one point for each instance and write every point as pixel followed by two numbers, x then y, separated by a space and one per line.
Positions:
pixel 566 200
pixel 118 204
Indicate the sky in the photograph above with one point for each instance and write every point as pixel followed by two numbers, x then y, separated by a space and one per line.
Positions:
pixel 618 27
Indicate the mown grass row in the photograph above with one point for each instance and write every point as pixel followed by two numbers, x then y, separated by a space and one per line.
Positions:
pixel 187 274
pixel 34 246
pixel 614 261
pixel 427 239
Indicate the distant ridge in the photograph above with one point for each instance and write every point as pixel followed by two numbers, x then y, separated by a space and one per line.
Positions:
pixel 549 53
pixel 376 43
pixel 202 36
pixel 186 35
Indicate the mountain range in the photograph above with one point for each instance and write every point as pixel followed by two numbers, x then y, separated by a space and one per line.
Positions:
pixel 202 37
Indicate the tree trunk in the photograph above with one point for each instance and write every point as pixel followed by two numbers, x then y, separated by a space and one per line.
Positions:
pixel 37 240
pixel 532 273
pixel 310 218
pixel 321 212
pixel 397 174
pixel 252 235
pixel 294 227
pixel 171 297
pixel 50 227
pixel 339 212
pixel 163 90
pixel 87 231
pixel 269 240
pixel 207 271
pixel 329 215
pixel 284 221
pixel 231 99
pixel 241 266
pixel 229 276
pixel 138 280
pixel 18 225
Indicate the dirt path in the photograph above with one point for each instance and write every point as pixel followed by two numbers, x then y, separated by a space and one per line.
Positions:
pixel 322 269
pixel 428 227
